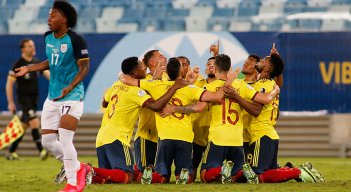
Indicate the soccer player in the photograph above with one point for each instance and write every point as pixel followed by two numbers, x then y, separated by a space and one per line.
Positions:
pixel 264 140
pixel 250 73
pixel 175 132
pixel 27 96
pixel 123 103
pixel 225 132
pixel 145 141
pixel 185 65
pixel 68 61
pixel 201 121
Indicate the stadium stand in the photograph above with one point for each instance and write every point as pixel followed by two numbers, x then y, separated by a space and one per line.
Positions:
pixel 109 16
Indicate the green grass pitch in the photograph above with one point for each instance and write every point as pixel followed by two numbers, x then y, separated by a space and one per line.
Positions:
pixel 31 174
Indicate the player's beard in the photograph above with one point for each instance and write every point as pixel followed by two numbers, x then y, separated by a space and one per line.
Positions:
pixel 211 75
pixel 259 70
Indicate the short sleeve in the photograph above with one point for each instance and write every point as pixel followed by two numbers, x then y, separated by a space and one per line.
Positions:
pixel 80 48
pixel 107 95
pixel 195 92
pixel 12 72
pixel 147 85
pixel 247 91
pixel 140 96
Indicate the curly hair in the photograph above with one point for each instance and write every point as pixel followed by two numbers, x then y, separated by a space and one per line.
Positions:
pixel 68 11
pixel 277 64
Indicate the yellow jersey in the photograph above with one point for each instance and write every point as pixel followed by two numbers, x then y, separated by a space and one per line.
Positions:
pixel 200 81
pixel 121 113
pixel 201 121
pixel 264 123
pixel 147 123
pixel 247 117
pixel 176 126
pixel 226 128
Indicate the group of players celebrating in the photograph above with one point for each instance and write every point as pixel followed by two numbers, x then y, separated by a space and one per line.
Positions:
pixel 224 123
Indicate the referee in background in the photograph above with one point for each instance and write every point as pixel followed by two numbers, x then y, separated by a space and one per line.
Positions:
pixel 27 97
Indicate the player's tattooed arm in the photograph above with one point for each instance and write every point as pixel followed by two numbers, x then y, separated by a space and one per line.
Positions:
pixel 27 69
pixel 162 101
pixel 192 108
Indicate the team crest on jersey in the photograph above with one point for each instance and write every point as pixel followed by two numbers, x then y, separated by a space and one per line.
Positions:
pixel 141 93
pixel 63 48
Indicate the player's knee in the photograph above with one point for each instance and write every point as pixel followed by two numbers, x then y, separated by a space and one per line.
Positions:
pixel 34 123
pixel 48 140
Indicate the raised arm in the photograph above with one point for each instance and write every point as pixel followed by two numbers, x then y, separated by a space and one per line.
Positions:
pixel 162 101
pixel 27 69
pixel 197 107
pixel 83 65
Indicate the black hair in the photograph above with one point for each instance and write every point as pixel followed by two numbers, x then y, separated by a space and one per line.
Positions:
pixel 222 63
pixel 24 41
pixel 68 11
pixel 256 57
pixel 183 57
pixel 148 56
pixel 277 65
pixel 129 65
pixel 211 58
pixel 173 68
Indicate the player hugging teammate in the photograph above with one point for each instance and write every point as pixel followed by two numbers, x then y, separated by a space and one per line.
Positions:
pixel 223 123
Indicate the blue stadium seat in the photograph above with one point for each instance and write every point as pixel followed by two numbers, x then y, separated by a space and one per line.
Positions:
pixel 147 24
pixel 86 26
pixel 43 12
pixel 214 24
pixel 294 6
pixel 206 3
pixel 341 2
pixel 179 12
pixel 224 12
pixel 248 8
pixel 6 13
pixel 3 27
pixel 174 24
pixel 13 3
pixel 314 9
pixel 310 24
pixel 155 13
pixel 89 12
pixel 133 14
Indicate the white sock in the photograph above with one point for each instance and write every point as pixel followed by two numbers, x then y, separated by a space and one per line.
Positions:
pixel 50 143
pixel 70 160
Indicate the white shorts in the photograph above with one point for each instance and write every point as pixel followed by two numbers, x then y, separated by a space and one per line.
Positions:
pixel 52 112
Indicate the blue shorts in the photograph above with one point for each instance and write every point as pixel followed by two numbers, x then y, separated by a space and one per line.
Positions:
pixel 263 154
pixel 169 150
pixel 214 156
pixel 145 152
pixel 246 147
pixel 115 155
pixel 198 150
